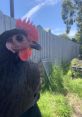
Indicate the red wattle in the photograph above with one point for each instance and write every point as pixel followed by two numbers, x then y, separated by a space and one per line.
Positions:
pixel 25 54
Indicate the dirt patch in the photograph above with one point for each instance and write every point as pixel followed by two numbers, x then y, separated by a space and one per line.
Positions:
pixel 76 103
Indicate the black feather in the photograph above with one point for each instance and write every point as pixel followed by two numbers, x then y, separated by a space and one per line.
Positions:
pixel 19 82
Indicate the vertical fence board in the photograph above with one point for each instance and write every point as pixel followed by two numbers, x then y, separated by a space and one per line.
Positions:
pixel 2 23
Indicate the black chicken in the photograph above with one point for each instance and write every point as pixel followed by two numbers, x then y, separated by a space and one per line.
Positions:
pixel 19 78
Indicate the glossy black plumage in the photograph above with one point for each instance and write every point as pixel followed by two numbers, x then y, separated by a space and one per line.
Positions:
pixel 19 81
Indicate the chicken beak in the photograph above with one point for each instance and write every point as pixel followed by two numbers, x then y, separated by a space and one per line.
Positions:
pixel 35 45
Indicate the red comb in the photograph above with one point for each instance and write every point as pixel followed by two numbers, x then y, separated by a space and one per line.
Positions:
pixel 29 28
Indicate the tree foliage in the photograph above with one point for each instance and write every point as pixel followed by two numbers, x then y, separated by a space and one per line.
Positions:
pixel 72 13
pixel 64 36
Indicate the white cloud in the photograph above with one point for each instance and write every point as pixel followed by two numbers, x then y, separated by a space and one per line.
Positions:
pixel 72 33
pixel 41 4
pixel 59 31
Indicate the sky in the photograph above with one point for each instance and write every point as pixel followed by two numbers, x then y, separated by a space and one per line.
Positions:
pixel 46 13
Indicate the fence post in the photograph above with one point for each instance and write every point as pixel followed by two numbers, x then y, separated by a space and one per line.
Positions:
pixel 12 8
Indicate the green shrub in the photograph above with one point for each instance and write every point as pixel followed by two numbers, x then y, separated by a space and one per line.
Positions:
pixel 74 62
pixel 69 73
pixel 54 105
pixel 67 81
pixel 73 86
pixel 65 67
pixel 56 79
pixel 76 87
pixel 45 82
pixel 76 71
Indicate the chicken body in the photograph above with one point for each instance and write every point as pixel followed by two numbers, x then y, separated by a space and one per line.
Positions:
pixel 19 81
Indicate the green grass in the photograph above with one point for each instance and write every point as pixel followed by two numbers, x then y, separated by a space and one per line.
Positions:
pixel 56 80
pixel 58 100
pixel 54 105
pixel 74 86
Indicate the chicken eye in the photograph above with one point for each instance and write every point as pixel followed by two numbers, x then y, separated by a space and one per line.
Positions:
pixel 19 38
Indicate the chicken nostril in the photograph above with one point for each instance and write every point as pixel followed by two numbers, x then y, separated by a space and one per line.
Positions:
pixel 19 38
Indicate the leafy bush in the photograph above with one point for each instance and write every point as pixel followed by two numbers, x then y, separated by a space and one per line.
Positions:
pixel 69 73
pixel 45 82
pixel 74 62
pixel 56 79
pixel 65 67
pixel 54 105
pixel 76 66
pixel 73 86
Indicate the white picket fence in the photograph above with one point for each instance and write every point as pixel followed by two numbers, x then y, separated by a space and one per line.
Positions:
pixel 54 49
